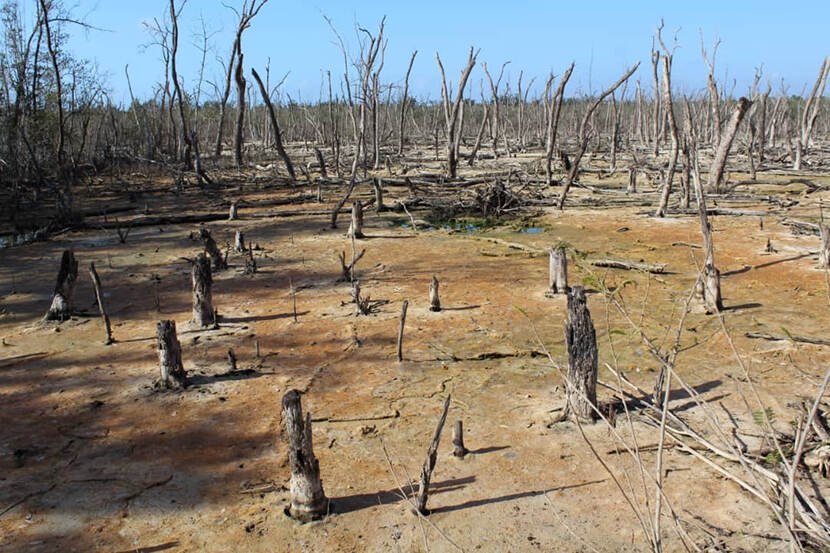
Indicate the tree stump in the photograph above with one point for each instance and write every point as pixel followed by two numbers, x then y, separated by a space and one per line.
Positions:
pixel 99 297
pixel 558 272
pixel 63 299
pixel 356 228
pixel 239 242
pixel 321 162
pixel 710 288
pixel 458 449
pixel 203 313
pixel 581 340
pixel 232 212
pixel 632 181
pixel 308 500
pixel 170 356
pixel 434 302
pixel 377 183
pixel 219 261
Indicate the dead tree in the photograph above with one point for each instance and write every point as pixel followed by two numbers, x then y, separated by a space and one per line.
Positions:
pixel 239 242
pixel 377 184
pixel 810 113
pixel 404 105
pixel 63 298
pixel 308 500
pixel 675 140
pixel 495 124
pixel 250 8
pixel 429 464
pixel 219 262
pixel 356 228
pixel 632 181
pixel 401 324
pixel 99 298
pixel 434 302
pixel 347 271
pixel 558 272
pixel 581 340
pixel 708 286
pixel 239 77
pixel 458 449
pixel 727 136
pixel 173 374
pixel 484 118
pixel 554 111
pixel 655 62
pixel 584 133
pixel 712 86
pixel 276 128
pixel 203 313
pixel 452 111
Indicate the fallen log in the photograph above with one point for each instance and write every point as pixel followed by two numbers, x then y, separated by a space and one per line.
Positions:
pixel 788 337
pixel 658 268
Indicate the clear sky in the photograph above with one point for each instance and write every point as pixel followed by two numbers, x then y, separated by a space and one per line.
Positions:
pixel 602 38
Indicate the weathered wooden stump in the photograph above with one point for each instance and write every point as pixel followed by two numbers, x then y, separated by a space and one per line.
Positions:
pixel 710 288
pixel 219 261
pixel 356 228
pixel 308 500
pixel 581 341
pixel 377 183
pixel 231 361
pixel 170 356
pixel 232 212
pixel 557 272
pixel 99 297
pixel 203 313
pixel 239 242
pixel 63 299
pixel 458 449
pixel 321 162
pixel 632 181
pixel 429 464
pixel 434 301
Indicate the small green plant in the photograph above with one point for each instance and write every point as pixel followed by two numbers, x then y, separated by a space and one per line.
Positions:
pixel 760 415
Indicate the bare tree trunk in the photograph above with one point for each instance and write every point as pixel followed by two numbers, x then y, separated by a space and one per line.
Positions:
pixel 404 102
pixel 377 183
pixel 429 464
pixel 356 228
pixel 664 197
pixel 401 325
pixel 203 313
pixel 725 143
pixel 63 299
pixel 99 297
pixel 451 111
pixel 810 113
pixel 553 122
pixel 277 134
pixel 308 500
pixel 824 252
pixel 170 356
pixel 581 341
pixel 212 250
pixel 239 76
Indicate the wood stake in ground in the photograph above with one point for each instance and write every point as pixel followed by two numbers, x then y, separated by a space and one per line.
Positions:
pixel 308 500
pixel 581 340
pixel 356 228
pixel 429 464
pixel 63 299
pixel 99 297
pixel 170 356
pixel 458 449
pixel 401 324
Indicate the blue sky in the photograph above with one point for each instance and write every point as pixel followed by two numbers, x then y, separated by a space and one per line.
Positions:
pixel 602 38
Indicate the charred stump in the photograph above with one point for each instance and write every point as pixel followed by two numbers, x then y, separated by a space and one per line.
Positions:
pixel 581 340
pixel 170 356
pixel 63 299
pixel 308 500
pixel 458 449
pixel 203 313
pixel 219 261
pixel 401 324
